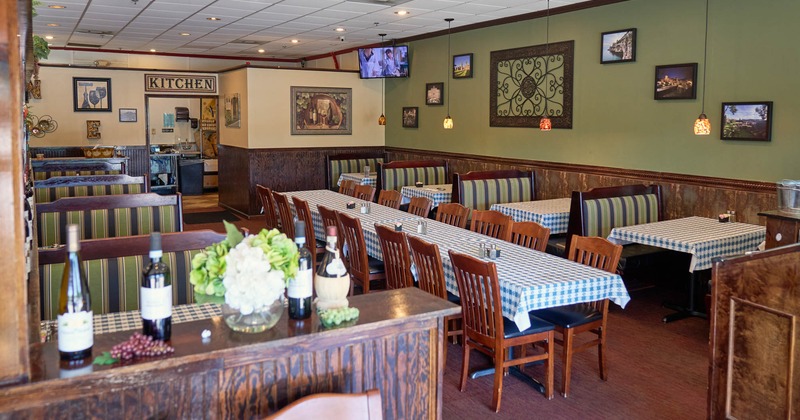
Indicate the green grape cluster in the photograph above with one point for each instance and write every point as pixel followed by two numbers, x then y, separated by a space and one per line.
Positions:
pixel 333 317
pixel 208 269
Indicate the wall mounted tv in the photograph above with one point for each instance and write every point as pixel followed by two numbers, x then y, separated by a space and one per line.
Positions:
pixel 383 62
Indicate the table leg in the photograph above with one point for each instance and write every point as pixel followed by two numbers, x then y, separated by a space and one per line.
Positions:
pixel 689 311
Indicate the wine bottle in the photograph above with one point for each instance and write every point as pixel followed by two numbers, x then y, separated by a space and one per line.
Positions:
pixel 301 287
pixel 156 294
pixel 75 322
pixel 332 282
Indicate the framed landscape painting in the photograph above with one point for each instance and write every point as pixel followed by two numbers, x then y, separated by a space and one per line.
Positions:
pixel 746 121
pixel 462 66
pixel 618 46
pixel 676 81
pixel 321 110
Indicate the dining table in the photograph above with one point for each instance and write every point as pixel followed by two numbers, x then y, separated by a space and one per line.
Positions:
pixel 437 193
pixel 552 214
pixel 702 237
pixel 359 178
pixel 529 279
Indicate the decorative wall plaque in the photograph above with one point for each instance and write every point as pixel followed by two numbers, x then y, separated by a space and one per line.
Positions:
pixel 530 82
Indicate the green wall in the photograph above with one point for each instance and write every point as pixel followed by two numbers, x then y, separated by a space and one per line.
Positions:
pixel 753 55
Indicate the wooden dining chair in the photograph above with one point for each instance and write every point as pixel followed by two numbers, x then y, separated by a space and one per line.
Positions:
pixel 396 259
pixel 430 278
pixel 364 192
pixel 531 235
pixel 363 406
pixel 453 214
pixel 390 198
pixel 315 246
pixel 590 317
pixel 420 206
pixel 363 269
pixel 492 223
pixel 488 331
pixel 265 194
pixel 346 187
pixel 284 214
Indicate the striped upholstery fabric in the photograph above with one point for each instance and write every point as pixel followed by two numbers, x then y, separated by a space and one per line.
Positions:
pixel 480 194
pixel 40 176
pixel 344 166
pixel 97 224
pixel 47 195
pixel 114 283
pixel 397 178
pixel 603 214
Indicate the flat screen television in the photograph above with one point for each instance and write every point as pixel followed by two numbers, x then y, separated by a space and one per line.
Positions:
pixel 375 63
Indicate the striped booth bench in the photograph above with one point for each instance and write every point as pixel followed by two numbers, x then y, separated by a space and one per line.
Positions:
pixel 113 268
pixel 349 163
pixel 108 216
pixel 42 175
pixel 595 212
pixel 52 189
pixel 398 174
pixel 479 190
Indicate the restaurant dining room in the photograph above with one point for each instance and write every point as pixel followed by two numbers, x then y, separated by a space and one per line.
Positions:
pixel 369 209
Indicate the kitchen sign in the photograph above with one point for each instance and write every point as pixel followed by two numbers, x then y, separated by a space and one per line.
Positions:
pixel 184 83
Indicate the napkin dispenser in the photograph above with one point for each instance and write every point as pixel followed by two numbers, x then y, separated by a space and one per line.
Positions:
pixel 351 205
pixel 181 113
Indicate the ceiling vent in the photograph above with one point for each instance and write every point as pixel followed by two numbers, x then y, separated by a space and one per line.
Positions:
pixel 247 41
pixel 387 3
pixel 82 45
pixel 94 32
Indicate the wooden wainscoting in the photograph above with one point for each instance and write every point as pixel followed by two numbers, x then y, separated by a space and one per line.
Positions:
pixel 684 195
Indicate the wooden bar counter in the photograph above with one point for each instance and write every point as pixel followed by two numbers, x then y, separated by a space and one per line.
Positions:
pixel 395 346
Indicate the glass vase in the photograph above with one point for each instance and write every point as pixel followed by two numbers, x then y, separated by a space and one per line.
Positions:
pixel 259 320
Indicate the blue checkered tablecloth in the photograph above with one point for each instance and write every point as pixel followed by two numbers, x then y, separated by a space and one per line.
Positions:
pixel 438 194
pixel 529 279
pixel 132 320
pixel 552 214
pixel 702 237
pixel 359 178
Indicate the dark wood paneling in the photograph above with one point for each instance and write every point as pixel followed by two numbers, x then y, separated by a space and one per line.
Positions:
pixel 684 195
pixel 234 179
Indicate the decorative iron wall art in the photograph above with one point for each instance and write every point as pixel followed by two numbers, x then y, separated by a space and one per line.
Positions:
pixel 530 82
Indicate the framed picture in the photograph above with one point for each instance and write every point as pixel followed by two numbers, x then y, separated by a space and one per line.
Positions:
pixel 91 94
pixel 233 111
pixel 618 46
pixel 93 129
pixel 127 115
pixel 410 114
pixel 434 93
pixel 462 66
pixel 321 110
pixel 746 121
pixel 676 81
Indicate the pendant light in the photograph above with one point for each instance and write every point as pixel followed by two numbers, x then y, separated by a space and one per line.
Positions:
pixel 702 127
pixel 382 118
pixel 448 122
pixel 544 122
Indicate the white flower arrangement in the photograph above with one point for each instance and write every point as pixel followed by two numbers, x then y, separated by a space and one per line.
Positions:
pixel 250 282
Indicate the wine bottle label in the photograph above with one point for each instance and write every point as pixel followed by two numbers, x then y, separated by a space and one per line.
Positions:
pixel 300 287
pixel 66 373
pixel 156 303
pixel 336 268
pixel 75 331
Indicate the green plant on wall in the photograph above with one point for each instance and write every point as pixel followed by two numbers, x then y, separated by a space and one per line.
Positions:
pixel 40 52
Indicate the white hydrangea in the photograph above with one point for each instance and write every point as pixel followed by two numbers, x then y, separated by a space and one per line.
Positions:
pixel 250 284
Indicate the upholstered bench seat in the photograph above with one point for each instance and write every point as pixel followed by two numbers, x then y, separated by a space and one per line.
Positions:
pixel 350 163
pixel 42 175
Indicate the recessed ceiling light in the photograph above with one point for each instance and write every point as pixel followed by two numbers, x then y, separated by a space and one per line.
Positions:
pixel 53 25
pixel 185 34
pixel 152 50
pixel 213 18
pixel 261 51
pixel 57 6
pixel 339 29
pixel 401 12
pixel 48 37
pixel 295 41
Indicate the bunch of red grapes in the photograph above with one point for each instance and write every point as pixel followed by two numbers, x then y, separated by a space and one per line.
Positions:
pixel 140 345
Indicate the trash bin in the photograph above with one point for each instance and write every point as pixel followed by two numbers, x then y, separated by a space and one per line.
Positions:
pixel 190 173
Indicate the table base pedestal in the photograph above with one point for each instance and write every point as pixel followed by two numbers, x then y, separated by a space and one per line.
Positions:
pixel 683 312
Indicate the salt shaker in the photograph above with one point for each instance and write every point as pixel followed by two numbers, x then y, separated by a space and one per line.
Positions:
pixel 366 170
pixel 482 249
pixel 493 252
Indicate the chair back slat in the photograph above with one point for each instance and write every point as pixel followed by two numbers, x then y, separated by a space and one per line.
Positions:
pixel 420 206
pixel 285 214
pixel 598 253
pixel 347 187
pixel 453 214
pixel 304 214
pixel 364 192
pixel 265 194
pixel 479 290
pixel 390 198
pixel 428 263
pixel 531 235
pixel 356 258
pixel 396 259
pixel 492 223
